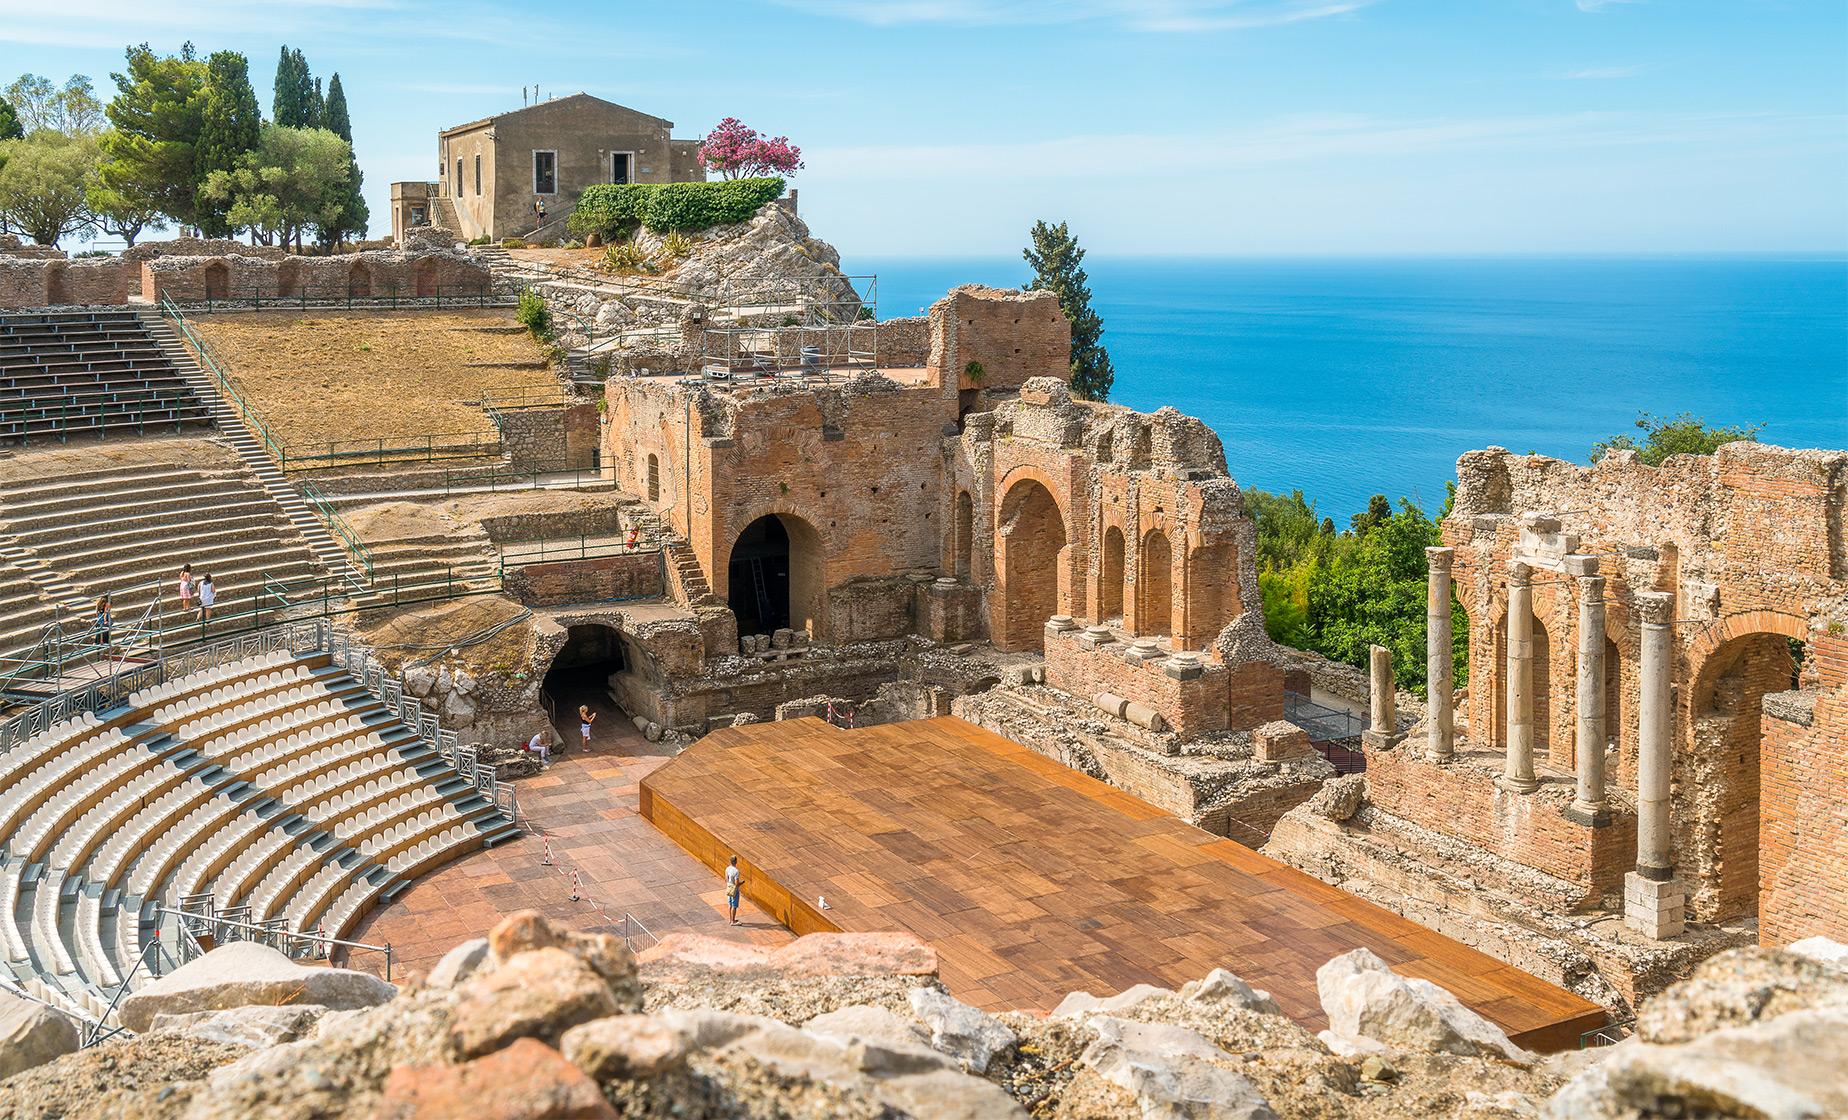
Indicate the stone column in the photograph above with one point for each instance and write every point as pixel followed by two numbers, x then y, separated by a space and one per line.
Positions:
pixel 1440 731
pixel 1382 732
pixel 1589 806
pixel 1653 902
pixel 1518 774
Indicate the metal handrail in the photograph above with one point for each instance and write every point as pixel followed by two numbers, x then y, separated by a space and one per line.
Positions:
pixel 97 1032
pixel 213 923
pixel 227 385
pixel 337 525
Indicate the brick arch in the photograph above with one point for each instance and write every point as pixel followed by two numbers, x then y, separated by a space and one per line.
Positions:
pixel 808 564
pixel 1031 536
pixel 1710 641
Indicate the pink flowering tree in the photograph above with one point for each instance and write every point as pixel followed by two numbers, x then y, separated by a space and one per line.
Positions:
pixel 736 151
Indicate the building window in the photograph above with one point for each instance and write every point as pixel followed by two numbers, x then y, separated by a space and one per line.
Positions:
pixel 622 166
pixel 417 215
pixel 545 172
pixel 458 176
pixel 477 174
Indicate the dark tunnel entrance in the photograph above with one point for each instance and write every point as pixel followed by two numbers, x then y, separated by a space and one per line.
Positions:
pixel 580 674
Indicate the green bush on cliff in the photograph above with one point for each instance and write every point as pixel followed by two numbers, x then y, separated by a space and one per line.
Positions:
pixel 616 210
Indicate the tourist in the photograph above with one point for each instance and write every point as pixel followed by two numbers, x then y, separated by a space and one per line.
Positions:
pixel 629 542
pixel 734 885
pixel 208 597
pixel 586 717
pixel 186 588
pixel 540 744
pixel 539 210
pixel 103 626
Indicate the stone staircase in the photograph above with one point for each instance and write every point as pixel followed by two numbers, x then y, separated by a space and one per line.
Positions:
pixel 686 579
pixel 232 429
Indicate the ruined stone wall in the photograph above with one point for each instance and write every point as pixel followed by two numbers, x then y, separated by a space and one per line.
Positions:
pixel 648 423
pixel 1750 541
pixel 1191 706
pixel 551 439
pixel 56 282
pixel 904 343
pixel 370 275
pixel 636 575
pixel 1803 844
pixel 1013 335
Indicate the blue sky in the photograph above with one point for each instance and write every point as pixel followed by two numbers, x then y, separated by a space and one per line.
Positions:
pixel 1156 127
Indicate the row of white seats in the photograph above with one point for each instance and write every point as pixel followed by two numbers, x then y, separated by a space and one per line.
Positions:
pixel 389 832
pixel 288 735
pixel 46 823
pixel 224 694
pixel 353 901
pixel 22 758
pixel 346 746
pixel 253 709
pixel 343 814
pixel 82 837
pixel 142 833
pixel 53 954
pixel 178 841
pixel 39 784
pixel 179 686
pixel 11 940
pixel 367 823
pixel 363 778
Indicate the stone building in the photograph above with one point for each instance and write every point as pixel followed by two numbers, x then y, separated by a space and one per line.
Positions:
pixel 493 171
pixel 1656 720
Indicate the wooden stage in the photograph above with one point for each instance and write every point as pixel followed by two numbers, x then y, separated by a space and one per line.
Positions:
pixel 1033 880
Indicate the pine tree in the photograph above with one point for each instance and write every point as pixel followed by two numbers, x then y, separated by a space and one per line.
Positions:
pixel 334 116
pixel 352 213
pixel 230 128
pixel 296 104
pixel 1055 257
pixel 10 128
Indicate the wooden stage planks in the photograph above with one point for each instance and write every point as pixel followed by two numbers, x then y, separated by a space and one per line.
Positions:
pixel 1033 880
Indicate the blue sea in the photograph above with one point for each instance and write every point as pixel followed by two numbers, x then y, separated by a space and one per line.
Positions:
pixel 1346 378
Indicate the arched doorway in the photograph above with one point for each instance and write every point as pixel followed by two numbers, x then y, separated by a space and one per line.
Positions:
pixel 1716 780
pixel 359 282
pixel 964 543
pixel 217 276
pixel 1542 697
pixel 1155 586
pixel 1031 542
pixel 423 278
pixel 1110 577
pixel 580 674
pixel 774 578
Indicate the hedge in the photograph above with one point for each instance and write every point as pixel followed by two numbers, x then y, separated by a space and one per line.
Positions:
pixel 612 210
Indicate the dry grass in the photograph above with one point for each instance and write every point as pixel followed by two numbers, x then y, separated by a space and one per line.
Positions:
pixel 418 632
pixel 328 376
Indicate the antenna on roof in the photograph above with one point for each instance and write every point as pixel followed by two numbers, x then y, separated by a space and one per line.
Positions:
pixel 522 97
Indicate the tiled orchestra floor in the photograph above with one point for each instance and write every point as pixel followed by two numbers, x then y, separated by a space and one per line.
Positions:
pixel 585 804
pixel 1033 880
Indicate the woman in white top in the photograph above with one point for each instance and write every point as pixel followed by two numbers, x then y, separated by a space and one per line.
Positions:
pixel 208 597
pixel 586 717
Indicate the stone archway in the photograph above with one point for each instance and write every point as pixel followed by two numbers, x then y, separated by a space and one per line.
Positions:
pixel 1155 586
pixel 216 277
pixel 423 278
pixel 775 576
pixel 1110 576
pixel 580 673
pixel 359 281
pixel 1029 547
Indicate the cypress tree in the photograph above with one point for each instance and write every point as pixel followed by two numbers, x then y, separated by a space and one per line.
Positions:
pixel 1055 257
pixel 10 128
pixel 353 213
pixel 334 116
pixel 317 106
pixel 285 107
pixel 230 128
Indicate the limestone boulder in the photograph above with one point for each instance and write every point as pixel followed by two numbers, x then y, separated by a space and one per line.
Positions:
pixel 1738 987
pixel 1172 1072
pixel 1339 798
pixel 1077 1005
pixel 1793 1067
pixel 457 711
pixel 460 963
pixel 255 1027
pixel 539 994
pixel 625 1047
pixel 1363 998
pixel 1821 950
pixel 971 1037
pixel 876 1041
pixel 32 1034
pixel 246 974
pixel 606 955
pixel 1220 988
pixel 420 681
pixel 527 1081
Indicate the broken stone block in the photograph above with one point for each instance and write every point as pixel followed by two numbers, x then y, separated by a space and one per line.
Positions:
pixel 1280 741
pixel 32 1034
pixel 780 638
pixel 246 974
pixel 970 1036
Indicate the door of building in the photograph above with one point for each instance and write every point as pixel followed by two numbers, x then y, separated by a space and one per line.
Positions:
pixel 621 167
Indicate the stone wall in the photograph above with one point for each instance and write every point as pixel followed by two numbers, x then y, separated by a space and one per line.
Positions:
pixel 636 575
pixel 551 439
pixel 382 274
pixel 1012 335
pixel 1190 705
pixel 904 343
pixel 1803 844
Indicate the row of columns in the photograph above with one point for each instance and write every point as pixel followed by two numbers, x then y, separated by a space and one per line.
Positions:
pixel 1653 902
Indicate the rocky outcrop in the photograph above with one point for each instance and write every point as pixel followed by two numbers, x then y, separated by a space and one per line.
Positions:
pixel 245 974
pixel 535 1022
pixel 32 1034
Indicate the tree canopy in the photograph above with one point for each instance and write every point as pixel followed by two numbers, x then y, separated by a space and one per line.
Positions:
pixel 158 115
pixel 293 182
pixel 736 151
pixel 230 127
pixel 1056 259
pixel 10 128
pixel 1685 434
pixel 43 183
pixel 71 109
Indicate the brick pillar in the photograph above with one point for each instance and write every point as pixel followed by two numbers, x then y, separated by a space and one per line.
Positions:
pixel 1518 773
pixel 1440 731
pixel 1589 806
pixel 1653 902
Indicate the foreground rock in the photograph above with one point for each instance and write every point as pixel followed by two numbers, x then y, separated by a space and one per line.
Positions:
pixel 32 1034
pixel 245 974
pixel 1367 1001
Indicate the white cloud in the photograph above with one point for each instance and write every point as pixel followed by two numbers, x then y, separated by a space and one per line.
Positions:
pixel 1140 15
pixel 1601 73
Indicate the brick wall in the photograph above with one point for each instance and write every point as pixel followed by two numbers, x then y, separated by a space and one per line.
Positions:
pixel 1803 822
pixel 1191 707
pixel 369 275
pixel 636 575
pixel 1015 335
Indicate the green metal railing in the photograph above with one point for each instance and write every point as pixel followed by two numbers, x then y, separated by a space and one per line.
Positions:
pixel 502 476
pixel 337 525
pixel 226 385
pixel 256 297
pixel 18 421
pixel 554 550
pixel 508 398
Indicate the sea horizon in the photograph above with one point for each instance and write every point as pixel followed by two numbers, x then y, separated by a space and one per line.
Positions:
pixel 1345 376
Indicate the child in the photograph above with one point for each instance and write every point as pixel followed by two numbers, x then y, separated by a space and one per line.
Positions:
pixel 208 597
pixel 586 717
pixel 186 587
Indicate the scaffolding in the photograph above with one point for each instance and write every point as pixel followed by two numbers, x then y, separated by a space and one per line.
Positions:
pixel 71 651
pixel 764 328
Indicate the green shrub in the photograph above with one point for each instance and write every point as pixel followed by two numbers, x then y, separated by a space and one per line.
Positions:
pixel 627 257
pixel 974 372
pixel 513 243
pixel 533 314
pixel 482 240
pixel 574 243
pixel 614 210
